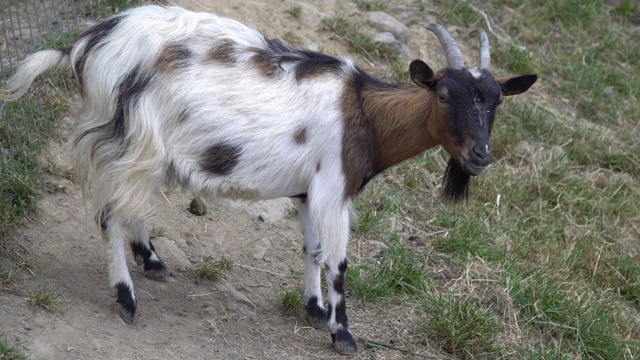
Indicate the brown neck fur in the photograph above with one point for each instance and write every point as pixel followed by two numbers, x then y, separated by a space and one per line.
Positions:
pixel 402 123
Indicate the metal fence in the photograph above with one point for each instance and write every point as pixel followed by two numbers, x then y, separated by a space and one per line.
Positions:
pixel 28 26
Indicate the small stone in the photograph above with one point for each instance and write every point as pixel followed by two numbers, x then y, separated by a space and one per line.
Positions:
pixel 260 252
pixel 197 207
pixel 397 47
pixel 408 15
pixel 387 23
pixel 169 252
pixel 70 348
pixel 378 247
pixel 264 217
pixel 310 15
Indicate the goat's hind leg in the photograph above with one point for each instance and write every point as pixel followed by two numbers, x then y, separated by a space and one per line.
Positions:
pixel 145 254
pixel 311 287
pixel 113 232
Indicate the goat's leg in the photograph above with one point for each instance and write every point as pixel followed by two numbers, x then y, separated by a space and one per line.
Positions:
pixel 113 232
pixel 330 212
pixel 145 254
pixel 311 287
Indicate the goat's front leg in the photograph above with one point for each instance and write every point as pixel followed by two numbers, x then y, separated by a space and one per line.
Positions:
pixel 330 213
pixel 145 254
pixel 113 232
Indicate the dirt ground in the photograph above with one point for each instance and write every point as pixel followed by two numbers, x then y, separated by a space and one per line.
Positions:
pixel 240 317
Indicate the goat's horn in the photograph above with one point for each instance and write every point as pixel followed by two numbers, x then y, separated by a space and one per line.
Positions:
pixel 485 54
pixel 451 51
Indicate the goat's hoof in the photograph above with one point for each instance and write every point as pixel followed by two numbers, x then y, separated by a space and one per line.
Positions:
pixel 156 275
pixel 155 271
pixel 126 303
pixel 343 342
pixel 318 323
pixel 139 259
pixel 125 314
pixel 197 207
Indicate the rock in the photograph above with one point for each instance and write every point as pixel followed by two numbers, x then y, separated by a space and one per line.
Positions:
pixel 387 23
pixel 378 247
pixel 226 288
pixel 261 248
pixel 408 15
pixel 197 207
pixel 268 211
pixel 170 253
pixel 309 15
pixel 397 47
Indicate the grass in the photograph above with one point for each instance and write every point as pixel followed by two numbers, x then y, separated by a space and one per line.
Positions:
pixel 291 301
pixel 44 298
pixel 372 5
pixel 295 11
pixel 357 41
pixel 214 270
pixel 9 352
pixel 543 262
pixel 157 232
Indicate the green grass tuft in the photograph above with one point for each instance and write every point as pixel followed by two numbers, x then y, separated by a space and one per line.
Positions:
pixel 8 352
pixel 291 301
pixel 214 271
pixel 295 11
pixel 44 298
pixel 462 327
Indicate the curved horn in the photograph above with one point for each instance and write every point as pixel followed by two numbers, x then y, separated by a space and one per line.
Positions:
pixel 451 51
pixel 485 54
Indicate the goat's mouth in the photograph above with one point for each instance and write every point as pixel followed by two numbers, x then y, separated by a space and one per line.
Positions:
pixel 471 168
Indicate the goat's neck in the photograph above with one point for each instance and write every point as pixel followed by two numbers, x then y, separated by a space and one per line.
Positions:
pixel 400 118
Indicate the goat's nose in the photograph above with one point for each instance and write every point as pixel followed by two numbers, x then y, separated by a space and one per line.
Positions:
pixel 481 151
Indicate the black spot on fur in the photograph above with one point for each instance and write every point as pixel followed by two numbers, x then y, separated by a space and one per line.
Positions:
pixel 338 282
pixel 94 35
pixel 300 136
pixel 129 91
pixel 223 52
pixel 456 183
pixel 307 63
pixel 174 56
pixel 341 312
pixel 220 159
pixel 126 301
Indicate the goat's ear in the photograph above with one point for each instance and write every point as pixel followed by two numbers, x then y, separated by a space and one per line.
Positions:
pixel 516 85
pixel 422 75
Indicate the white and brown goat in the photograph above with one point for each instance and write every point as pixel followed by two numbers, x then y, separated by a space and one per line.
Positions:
pixel 198 100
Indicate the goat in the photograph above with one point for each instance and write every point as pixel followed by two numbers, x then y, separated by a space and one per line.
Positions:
pixel 173 97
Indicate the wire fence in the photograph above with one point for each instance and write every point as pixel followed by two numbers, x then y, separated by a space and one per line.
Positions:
pixel 28 26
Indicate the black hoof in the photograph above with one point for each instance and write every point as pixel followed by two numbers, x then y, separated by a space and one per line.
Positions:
pixel 155 271
pixel 317 316
pixel 125 314
pixel 126 304
pixel 343 342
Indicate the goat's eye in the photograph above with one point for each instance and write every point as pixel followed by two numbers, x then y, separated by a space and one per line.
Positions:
pixel 443 98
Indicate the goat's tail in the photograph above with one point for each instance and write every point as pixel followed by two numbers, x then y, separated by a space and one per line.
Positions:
pixel 30 68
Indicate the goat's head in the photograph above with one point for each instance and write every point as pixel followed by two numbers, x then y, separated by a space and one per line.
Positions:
pixel 464 102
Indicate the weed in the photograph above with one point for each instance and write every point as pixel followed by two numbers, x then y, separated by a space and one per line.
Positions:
pixel 8 352
pixel 462 327
pixel 358 42
pixel 372 5
pixel 214 271
pixel 398 274
pixel 295 11
pixel 157 232
pixel 291 301
pixel 6 273
pixel 45 298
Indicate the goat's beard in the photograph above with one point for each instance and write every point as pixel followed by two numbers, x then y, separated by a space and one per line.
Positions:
pixel 456 183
